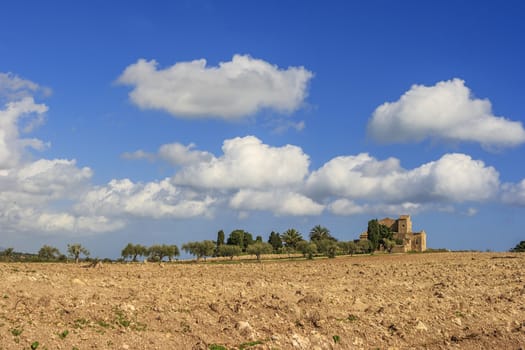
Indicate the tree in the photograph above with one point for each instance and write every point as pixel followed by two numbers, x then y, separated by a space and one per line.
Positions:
pixel 236 237
pixel 74 251
pixel 200 249
pixel 365 246
pixel 157 252
pixel 258 239
pixel 520 247
pixel 240 238
pixel 133 251
pixel 318 233
pixel 351 248
pixel 291 237
pixel 308 249
pixel 389 244
pixel 171 251
pixel 48 253
pixel 8 253
pixel 377 233
pixel 220 238
pixel 229 251
pixel 259 248
pixel 327 247
pixel 275 241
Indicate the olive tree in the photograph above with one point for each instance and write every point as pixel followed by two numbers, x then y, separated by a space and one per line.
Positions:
pixel 308 249
pixel 200 249
pixel 48 253
pixel 133 251
pixel 230 251
pixel 74 251
pixel 259 248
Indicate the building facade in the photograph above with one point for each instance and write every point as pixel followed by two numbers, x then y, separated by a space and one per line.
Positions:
pixel 403 235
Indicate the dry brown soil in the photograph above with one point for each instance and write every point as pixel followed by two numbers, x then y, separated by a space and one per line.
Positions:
pixel 412 301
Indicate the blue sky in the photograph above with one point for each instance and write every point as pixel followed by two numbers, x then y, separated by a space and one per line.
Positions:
pixel 163 122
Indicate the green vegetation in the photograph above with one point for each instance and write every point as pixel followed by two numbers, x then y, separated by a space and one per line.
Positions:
pixel 519 248
pixel 378 233
pixel 259 248
pixel 216 347
pixel 133 251
pixel 48 253
pixel 229 251
pixel 16 331
pixel 64 334
pixel 319 233
pixel 275 241
pixel 74 251
pixel 201 249
pixel 291 237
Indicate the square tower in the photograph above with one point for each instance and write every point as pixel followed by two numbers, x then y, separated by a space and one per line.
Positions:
pixel 404 224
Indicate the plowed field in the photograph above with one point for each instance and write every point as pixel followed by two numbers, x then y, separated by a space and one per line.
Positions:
pixel 411 301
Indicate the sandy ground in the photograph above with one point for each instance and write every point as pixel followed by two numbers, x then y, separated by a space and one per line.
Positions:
pixel 412 301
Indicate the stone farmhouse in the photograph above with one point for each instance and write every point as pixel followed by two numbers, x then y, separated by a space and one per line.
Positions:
pixel 402 229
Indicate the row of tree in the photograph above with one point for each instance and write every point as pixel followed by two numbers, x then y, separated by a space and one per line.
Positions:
pixel 240 242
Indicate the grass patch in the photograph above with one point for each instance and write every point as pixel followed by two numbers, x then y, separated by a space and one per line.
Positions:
pixel 80 323
pixel 217 347
pixel 64 334
pixel 16 332
pixel 250 344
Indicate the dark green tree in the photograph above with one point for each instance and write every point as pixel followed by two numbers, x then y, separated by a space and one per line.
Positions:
pixel 377 233
pixel 319 233
pixel 258 239
pixel 236 237
pixel 48 253
pixel 220 238
pixel 519 248
pixel 275 241
pixel 240 238
pixel 291 237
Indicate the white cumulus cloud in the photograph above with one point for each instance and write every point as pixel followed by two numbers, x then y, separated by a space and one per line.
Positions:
pixel 231 90
pixel 454 177
pixel 153 199
pixel 445 111
pixel 514 194
pixel 11 144
pixel 277 202
pixel 247 163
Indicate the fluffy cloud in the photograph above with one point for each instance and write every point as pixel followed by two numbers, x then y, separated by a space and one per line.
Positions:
pixel 153 199
pixel 231 90
pixel 247 163
pixel 444 111
pixel 348 207
pixel 454 178
pixel 11 145
pixel 514 194
pixel 278 202
pixel 173 153
pixel 13 87
pixel 57 178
